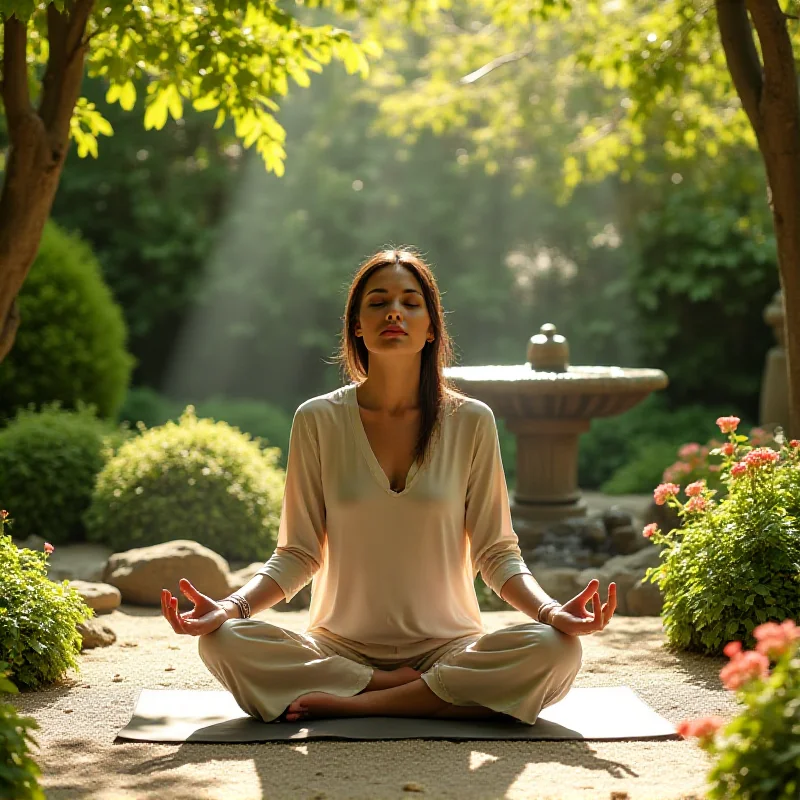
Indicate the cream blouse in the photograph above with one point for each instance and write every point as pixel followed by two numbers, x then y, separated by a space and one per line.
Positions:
pixel 393 568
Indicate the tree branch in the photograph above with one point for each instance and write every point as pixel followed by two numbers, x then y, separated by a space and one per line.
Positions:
pixel 500 61
pixel 742 56
pixel 64 73
pixel 15 88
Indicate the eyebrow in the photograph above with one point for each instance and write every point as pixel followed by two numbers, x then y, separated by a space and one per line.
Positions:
pixel 386 291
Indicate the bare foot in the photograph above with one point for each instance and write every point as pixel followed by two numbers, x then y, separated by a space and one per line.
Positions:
pixel 318 705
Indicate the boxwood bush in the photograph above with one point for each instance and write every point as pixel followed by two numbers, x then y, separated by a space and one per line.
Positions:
pixel 19 773
pixel 38 617
pixel 71 344
pixel 49 461
pixel 194 479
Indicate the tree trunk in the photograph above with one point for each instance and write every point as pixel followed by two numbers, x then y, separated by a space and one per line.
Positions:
pixel 769 95
pixel 39 143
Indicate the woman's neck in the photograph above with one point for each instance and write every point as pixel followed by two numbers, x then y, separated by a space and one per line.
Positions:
pixel 392 388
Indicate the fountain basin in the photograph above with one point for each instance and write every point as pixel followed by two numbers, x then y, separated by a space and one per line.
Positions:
pixel 547 411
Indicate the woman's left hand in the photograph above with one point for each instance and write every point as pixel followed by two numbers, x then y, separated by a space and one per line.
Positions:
pixel 573 618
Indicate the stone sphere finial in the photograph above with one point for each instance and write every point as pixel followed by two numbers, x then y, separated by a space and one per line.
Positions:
pixel 548 350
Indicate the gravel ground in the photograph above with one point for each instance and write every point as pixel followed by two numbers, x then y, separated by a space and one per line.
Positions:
pixel 79 720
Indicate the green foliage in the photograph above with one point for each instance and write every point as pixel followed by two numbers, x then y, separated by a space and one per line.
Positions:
pixel 196 479
pixel 38 637
pixel 268 423
pixel 19 773
pixel 48 464
pixel 233 58
pixel 734 563
pixel 627 454
pixel 757 754
pixel 70 346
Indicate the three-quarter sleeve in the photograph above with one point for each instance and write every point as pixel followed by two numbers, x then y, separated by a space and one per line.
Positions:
pixel 301 535
pixel 493 543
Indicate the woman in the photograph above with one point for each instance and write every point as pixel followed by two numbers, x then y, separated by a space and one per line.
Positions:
pixel 395 498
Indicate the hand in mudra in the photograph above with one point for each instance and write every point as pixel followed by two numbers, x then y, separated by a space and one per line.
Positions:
pixel 573 618
pixel 206 616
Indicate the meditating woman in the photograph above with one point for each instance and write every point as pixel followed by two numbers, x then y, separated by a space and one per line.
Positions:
pixel 395 499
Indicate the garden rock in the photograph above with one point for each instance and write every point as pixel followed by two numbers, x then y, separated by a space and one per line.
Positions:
pixel 644 600
pixel 32 542
pixel 664 516
pixel 102 597
pixel 561 583
pixel 140 574
pixel 616 517
pixel 626 540
pixel 95 634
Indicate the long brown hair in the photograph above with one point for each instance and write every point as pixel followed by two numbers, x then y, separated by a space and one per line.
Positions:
pixel 436 394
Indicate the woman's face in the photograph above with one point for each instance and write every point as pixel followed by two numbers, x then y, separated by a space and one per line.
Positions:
pixel 393 316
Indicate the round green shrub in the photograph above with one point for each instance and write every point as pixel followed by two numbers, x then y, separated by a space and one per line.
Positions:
pixel 19 773
pixel 267 422
pixel 49 461
pixel 196 479
pixel 38 617
pixel 70 345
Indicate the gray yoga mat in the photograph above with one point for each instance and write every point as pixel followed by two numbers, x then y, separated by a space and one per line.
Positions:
pixel 214 716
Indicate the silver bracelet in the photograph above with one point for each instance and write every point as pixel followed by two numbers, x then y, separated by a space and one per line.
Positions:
pixel 550 604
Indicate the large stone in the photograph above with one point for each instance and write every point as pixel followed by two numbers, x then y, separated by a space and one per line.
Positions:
pixel 626 540
pixel 664 516
pixel 561 583
pixel 644 600
pixel 626 572
pixel 140 574
pixel 78 561
pixel 616 517
pixel 102 597
pixel 95 634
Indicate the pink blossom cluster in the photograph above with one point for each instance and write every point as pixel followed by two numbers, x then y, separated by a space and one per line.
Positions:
pixel 703 728
pixel 728 424
pixel 664 491
pixel 744 666
pixel 728 449
pixel 774 639
pixel 649 530
pixel 695 489
pixel 696 504
pixel 3 514
pixel 48 548
pixel 760 456
pixel 738 469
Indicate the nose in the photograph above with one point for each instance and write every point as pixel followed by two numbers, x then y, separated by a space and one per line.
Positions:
pixel 393 313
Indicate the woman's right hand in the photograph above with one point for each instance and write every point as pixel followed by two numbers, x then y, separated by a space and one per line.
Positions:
pixel 206 616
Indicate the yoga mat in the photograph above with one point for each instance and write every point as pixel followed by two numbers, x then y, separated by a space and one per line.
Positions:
pixel 214 716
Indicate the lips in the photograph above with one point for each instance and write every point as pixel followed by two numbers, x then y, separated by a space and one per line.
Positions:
pixel 393 331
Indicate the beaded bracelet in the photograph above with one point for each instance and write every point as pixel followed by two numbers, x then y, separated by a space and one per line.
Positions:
pixel 241 603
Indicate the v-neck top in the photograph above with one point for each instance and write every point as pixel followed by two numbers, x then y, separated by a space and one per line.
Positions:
pixel 393 568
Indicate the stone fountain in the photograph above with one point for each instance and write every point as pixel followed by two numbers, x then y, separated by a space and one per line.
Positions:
pixel 547 404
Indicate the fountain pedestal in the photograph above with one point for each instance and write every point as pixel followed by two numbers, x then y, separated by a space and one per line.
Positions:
pixel 547 472
pixel 547 404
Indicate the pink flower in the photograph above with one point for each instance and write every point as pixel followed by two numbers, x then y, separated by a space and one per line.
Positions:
pixel 649 530
pixel 703 728
pixel 3 514
pixel 664 491
pixel 738 469
pixel 795 443
pixel 732 649
pixel 694 489
pixel 696 504
pixel 728 424
pixel 688 450
pixel 774 639
pixel 744 667
pixel 48 548
pixel 761 456
pixel 728 449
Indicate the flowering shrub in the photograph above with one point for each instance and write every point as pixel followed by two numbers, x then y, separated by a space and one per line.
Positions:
pixel 19 773
pixel 694 462
pixel 757 754
pixel 733 563
pixel 38 617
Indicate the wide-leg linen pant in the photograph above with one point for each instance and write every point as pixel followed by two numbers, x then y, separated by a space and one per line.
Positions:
pixel 517 670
